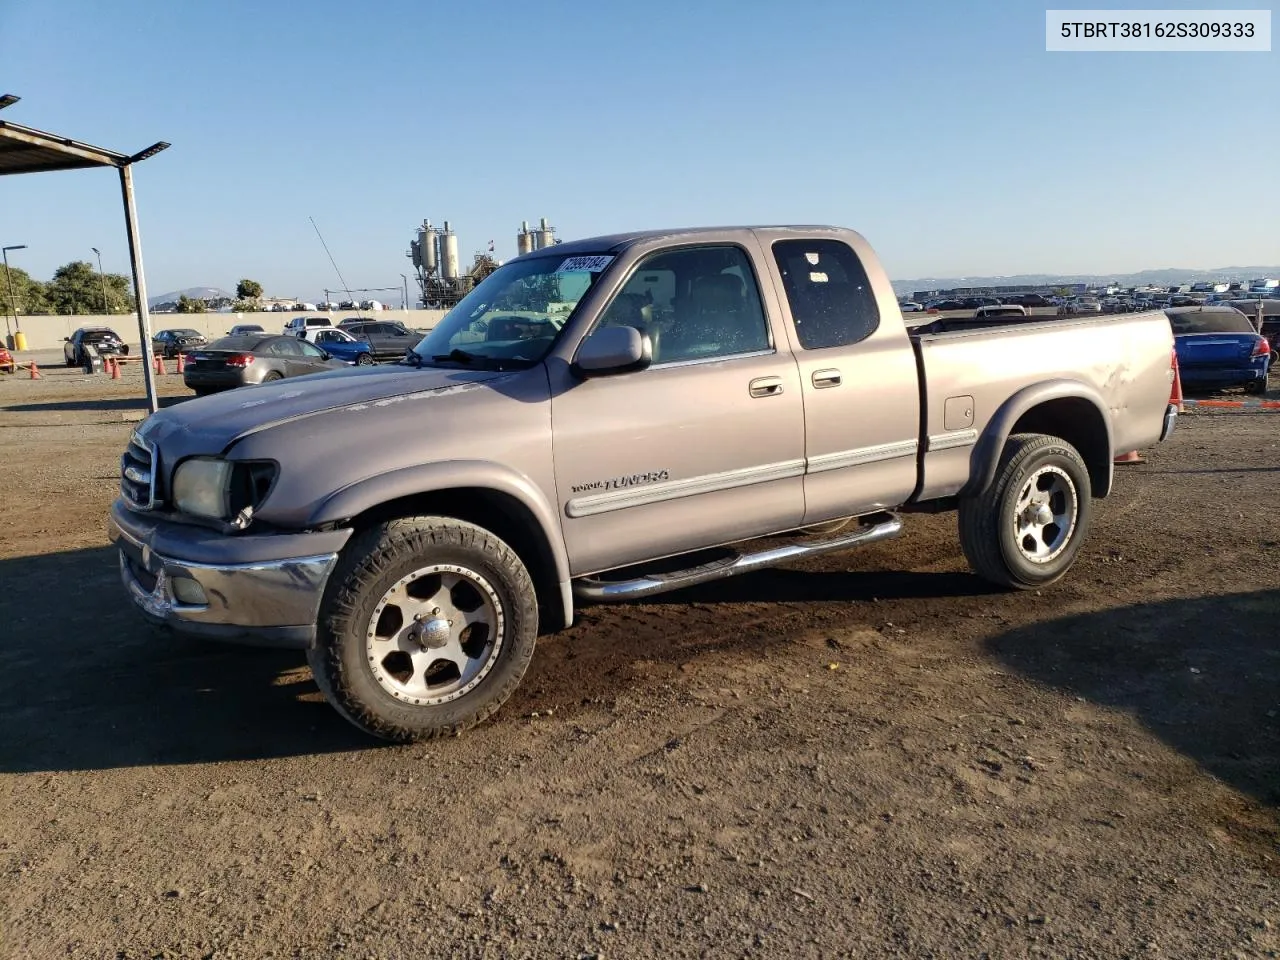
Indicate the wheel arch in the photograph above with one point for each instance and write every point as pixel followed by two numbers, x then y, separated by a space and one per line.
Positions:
pixel 505 503
pixel 1067 409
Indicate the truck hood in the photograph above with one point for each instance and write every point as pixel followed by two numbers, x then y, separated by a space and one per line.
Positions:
pixel 208 425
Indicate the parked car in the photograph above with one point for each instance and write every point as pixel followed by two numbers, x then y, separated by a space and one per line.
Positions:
pixel 300 325
pixel 240 329
pixel 1219 347
pixel 391 340
pixel 910 306
pixel 253 358
pixel 170 343
pixel 342 345
pixel 7 363
pixel 414 526
pixel 103 339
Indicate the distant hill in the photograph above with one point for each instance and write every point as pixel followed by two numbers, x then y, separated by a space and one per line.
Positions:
pixel 191 293
pixel 1164 277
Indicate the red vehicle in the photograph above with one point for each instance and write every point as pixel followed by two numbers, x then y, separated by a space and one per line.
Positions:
pixel 6 360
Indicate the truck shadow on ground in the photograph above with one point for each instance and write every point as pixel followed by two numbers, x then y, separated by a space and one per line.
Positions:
pixel 1202 674
pixel 86 685
pixel 107 405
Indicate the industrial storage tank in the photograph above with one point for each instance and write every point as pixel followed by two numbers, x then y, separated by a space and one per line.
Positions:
pixel 427 241
pixel 546 235
pixel 524 239
pixel 448 253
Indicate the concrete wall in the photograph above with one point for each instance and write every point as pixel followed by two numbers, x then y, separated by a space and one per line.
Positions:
pixel 47 333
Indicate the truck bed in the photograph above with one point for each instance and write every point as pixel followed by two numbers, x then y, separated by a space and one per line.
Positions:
pixel 970 377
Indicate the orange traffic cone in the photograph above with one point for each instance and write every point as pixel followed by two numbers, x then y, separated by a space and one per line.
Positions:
pixel 35 371
pixel 182 363
pixel 115 368
pixel 1177 388
pixel 160 364
pixel 1131 457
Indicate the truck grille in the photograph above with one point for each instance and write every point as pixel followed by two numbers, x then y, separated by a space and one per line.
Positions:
pixel 137 476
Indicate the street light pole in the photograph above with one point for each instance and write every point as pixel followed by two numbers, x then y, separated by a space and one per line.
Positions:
pixel 13 296
pixel 103 277
pixel 405 301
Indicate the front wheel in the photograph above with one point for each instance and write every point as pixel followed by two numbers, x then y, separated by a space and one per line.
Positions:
pixel 427 627
pixel 364 360
pixel 1025 530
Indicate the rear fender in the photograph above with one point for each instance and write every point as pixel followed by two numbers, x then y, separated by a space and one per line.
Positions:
pixel 1094 448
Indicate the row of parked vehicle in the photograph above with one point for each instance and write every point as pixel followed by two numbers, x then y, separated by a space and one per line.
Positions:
pixel 249 355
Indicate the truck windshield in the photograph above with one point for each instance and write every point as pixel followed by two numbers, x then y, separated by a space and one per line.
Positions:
pixel 515 314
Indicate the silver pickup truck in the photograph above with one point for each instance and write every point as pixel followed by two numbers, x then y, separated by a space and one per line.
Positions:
pixel 605 420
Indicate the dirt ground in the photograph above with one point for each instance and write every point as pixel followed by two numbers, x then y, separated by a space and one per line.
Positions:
pixel 869 755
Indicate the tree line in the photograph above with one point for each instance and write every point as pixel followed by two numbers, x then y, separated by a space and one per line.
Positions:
pixel 76 288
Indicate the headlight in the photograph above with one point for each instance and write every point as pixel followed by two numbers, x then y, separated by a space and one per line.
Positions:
pixel 202 486
pixel 222 489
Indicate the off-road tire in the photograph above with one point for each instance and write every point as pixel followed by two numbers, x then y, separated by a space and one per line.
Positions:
pixel 373 561
pixel 986 519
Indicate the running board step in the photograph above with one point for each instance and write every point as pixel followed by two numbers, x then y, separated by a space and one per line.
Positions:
pixel 596 590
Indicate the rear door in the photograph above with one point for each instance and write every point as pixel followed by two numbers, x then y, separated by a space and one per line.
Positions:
pixel 706 445
pixel 858 375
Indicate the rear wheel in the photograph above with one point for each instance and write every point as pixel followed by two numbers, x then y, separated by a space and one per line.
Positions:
pixel 1025 530
pixel 273 375
pixel 427 627
pixel 1256 386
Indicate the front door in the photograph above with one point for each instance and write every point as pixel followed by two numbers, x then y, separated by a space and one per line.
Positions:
pixel 706 445
pixel 858 377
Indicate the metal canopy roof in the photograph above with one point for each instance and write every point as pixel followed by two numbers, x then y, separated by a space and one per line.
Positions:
pixel 26 150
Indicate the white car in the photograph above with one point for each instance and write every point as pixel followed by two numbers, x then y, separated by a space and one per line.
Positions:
pixel 300 325
pixel 910 306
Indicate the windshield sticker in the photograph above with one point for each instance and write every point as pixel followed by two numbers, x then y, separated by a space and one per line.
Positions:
pixel 590 264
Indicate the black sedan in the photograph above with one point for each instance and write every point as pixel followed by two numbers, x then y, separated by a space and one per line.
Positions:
pixel 390 340
pixel 103 339
pixel 252 359
pixel 170 343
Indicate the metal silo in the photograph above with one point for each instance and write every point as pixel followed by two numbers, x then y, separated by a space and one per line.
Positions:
pixel 427 241
pixel 448 253
pixel 546 235
pixel 524 239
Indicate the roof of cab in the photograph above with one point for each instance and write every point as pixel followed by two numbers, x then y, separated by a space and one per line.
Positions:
pixel 617 242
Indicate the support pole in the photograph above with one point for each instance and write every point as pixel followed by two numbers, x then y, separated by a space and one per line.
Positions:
pixel 139 285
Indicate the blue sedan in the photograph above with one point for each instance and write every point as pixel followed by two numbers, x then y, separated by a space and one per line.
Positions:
pixel 343 346
pixel 1218 347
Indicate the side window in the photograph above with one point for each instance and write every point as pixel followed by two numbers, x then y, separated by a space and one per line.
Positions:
pixel 696 303
pixel 286 348
pixel 830 296
pixel 309 350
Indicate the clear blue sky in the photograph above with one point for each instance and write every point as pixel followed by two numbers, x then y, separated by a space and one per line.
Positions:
pixel 943 131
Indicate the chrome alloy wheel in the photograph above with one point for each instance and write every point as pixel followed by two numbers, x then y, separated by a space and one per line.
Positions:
pixel 1044 518
pixel 435 634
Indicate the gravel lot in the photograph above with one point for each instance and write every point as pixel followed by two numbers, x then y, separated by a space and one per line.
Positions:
pixel 867 755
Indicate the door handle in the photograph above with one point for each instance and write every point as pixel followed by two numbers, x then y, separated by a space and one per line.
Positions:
pixel 766 386
pixel 825 378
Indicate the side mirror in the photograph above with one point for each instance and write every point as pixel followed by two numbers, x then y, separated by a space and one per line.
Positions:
pixel 613 350
pixel 67 339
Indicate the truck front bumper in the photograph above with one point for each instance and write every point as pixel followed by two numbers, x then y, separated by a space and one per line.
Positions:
pixel 263 590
